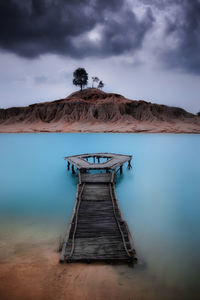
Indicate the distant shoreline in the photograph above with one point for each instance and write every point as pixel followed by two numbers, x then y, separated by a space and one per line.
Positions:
pixel 100 127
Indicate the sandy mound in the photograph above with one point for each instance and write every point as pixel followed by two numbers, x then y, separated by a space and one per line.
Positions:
pixel 91 109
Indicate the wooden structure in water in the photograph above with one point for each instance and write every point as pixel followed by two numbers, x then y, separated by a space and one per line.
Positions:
pixel 97 231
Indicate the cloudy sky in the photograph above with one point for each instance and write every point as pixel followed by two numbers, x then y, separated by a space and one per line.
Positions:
pixel 142 49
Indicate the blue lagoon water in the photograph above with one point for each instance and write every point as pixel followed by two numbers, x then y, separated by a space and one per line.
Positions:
pixel 159 197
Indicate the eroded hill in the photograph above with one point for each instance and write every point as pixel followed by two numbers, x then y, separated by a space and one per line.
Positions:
pixel 93 110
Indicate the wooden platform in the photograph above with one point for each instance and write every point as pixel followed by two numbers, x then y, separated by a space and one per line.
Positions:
pixel 111 161
pixel 97 231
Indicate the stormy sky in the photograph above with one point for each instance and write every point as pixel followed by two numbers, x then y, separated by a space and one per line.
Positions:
pixel 143 49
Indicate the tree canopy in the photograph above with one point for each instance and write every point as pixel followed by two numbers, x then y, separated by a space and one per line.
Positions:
pixel 94 79
pixel 101 84
pixel 80 77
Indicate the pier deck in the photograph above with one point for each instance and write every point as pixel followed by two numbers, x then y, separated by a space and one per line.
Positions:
pixel 97 231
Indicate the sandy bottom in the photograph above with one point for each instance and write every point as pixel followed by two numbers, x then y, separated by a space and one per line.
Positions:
pixel 118 126
pixel 34 273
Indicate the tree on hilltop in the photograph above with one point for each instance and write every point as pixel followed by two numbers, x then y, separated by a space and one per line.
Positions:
pixel 100 85
pixel 94 79
pixel 80 77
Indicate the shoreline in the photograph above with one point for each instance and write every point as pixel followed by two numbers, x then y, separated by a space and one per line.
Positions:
pixel 33 276
pixel 117 132
pixel 101 127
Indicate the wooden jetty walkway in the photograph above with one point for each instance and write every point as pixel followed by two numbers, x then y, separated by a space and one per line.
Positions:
pixel 97 231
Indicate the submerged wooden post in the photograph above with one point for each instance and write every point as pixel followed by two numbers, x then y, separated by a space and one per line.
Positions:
pixel 129 164
pixel 73 171
pixel 68 165
pixel 121 169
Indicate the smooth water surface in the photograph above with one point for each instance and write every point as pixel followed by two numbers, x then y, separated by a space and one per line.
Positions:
pixel 159 197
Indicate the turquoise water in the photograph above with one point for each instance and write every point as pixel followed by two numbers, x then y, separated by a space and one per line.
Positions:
pixel 159 197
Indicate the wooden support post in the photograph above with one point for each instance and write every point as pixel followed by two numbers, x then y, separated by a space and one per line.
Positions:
pixel 94 159
pixel 129 164
pixel 73 171
pixel 68 165
pixel 121 169
pixel 98 159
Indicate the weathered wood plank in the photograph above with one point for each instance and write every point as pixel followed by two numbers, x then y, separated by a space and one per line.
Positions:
pixel 96 178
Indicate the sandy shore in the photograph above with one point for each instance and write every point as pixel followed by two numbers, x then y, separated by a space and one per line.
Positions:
pixel 34 273
pixel 118 126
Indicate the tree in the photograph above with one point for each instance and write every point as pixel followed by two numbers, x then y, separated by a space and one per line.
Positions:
pixel 80 77
pixel 100 85
pixel 198 114
pixel 94 79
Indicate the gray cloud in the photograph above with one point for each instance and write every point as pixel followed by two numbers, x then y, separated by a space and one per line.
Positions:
pixel 40 79
pixel 185 28
pixel 102 28
pixel 33 27
pixel 182 25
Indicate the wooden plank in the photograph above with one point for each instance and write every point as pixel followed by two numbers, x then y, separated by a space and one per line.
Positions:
pixel 96 178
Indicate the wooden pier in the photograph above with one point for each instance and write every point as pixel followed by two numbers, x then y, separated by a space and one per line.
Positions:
pixel 97 230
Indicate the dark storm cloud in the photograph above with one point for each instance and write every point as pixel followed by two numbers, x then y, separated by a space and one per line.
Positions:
pixel 33 27
pixel 182 24
pixel 102 28
pixel 186 30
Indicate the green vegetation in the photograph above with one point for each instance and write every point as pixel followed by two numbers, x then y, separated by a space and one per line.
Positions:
pixel 80 77
pixel 100 85
pixel 94 79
